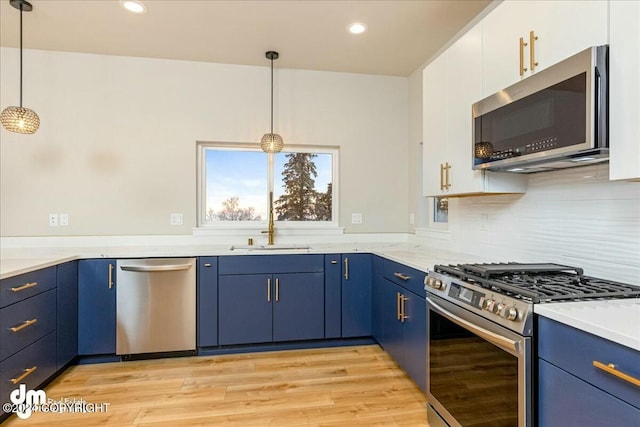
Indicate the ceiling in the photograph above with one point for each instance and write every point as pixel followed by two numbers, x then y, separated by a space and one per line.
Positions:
pixel 309 34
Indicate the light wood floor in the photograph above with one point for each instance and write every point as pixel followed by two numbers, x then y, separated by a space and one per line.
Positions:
pixel 346 386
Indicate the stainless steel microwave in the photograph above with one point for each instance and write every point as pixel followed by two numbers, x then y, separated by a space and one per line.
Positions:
pixel 554 119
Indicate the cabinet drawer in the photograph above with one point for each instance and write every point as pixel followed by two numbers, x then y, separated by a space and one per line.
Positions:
pixel 575 351
pixel 40 355
pixel 407 277
pixel 258 264
pixel 26 285
pixel 30 319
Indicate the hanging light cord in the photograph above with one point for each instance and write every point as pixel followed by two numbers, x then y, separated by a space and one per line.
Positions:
pixel 21 6
pixel 272 96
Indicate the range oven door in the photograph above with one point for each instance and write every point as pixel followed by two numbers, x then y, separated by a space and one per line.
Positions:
pixel 478 373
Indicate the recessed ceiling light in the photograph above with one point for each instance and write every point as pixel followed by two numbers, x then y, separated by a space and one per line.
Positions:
pixel 134 6
pixel 357 28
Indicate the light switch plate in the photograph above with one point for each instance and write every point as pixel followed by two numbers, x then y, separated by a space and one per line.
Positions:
pixel 176 219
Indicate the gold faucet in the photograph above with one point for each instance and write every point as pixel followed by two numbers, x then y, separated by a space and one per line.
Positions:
pixel 272 226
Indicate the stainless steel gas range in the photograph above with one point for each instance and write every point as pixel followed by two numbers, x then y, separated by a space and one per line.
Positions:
pixel 480 336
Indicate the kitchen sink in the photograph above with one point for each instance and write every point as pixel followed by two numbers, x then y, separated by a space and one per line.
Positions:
pixel 269 247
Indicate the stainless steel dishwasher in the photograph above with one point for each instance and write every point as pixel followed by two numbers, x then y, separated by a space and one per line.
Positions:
pixel 156 306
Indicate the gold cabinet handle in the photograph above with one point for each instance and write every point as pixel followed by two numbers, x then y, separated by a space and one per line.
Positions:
pixel 110 276
pixel 611 369
pixel 401 276
pixel 23 325
pixel 532 50
pixel 398 305
pixel 25 286
pixel 441 177
pixel 24 375
pixel 447 168
pixel 268 290
pixel 522 46
pixel 277 289
pixel 403 299
pixel 346 268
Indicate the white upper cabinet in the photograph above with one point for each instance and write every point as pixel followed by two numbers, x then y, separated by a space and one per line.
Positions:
pixel 550 31
pixel 434 129
pixel 451 84
pixel 624 90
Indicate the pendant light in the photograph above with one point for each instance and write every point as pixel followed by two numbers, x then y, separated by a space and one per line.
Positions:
pixel 20 119
pixel 271 142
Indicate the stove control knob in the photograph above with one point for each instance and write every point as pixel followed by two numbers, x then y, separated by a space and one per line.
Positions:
pixel 440 285
pixel 511 313
pixel 498 308
pixel 488 304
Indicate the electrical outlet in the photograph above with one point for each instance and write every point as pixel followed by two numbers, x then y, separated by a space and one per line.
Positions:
pixel 412 218
pixel 356 218
pixel 64 219
pixel 53 220
pixel 176 219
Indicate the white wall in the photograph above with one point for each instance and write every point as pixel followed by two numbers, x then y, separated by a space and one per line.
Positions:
pixel 116 147
pixel 575 217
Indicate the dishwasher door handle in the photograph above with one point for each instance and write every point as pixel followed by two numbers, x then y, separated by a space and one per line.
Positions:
pixel 152 268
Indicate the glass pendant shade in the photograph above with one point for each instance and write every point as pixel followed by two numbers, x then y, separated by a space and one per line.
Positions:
pixel 271 143
pixel 483 150
pixel 20 120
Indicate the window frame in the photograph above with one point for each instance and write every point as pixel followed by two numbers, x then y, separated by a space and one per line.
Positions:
pixel 201 224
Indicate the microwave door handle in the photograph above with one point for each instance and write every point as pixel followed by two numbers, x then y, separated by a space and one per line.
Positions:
pixel 511 346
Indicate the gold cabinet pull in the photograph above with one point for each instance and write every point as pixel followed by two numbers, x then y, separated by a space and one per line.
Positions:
pixel 24 375
pixel 441 177
pixel 403 299
pixel 398 305
pixel 23 325
pixel 25 286
pixel 268 290
pixel 401 276
pixel 447 168
pixel 110 276
pixel 532 50
pixel 522 46
pixel 277 289
pixel 611 369
pixel 346 268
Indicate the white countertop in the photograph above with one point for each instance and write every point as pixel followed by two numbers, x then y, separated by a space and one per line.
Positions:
pixel 615 320
pixel 18 261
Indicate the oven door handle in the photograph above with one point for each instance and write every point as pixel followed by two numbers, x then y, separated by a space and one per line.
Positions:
pixel 495 339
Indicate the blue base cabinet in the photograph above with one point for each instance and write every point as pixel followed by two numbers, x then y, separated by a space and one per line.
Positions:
pixel 28 344
pixel 67 309
pixel 245 310
pixel 565 400
pixel 207 296
pixel 574 392
pixel 96 307
pixel 281 299
pixel 356 295
pixel 377 289
pixel 401 315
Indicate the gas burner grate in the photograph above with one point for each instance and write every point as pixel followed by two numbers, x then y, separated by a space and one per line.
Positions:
pixel 539 282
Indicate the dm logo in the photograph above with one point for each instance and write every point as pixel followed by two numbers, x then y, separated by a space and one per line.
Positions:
pixel 25 400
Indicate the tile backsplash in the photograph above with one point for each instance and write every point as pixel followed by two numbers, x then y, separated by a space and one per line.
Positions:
pixel 573 216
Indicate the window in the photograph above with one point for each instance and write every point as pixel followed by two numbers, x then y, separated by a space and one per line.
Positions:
pixel 440 210
pixel 234 181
